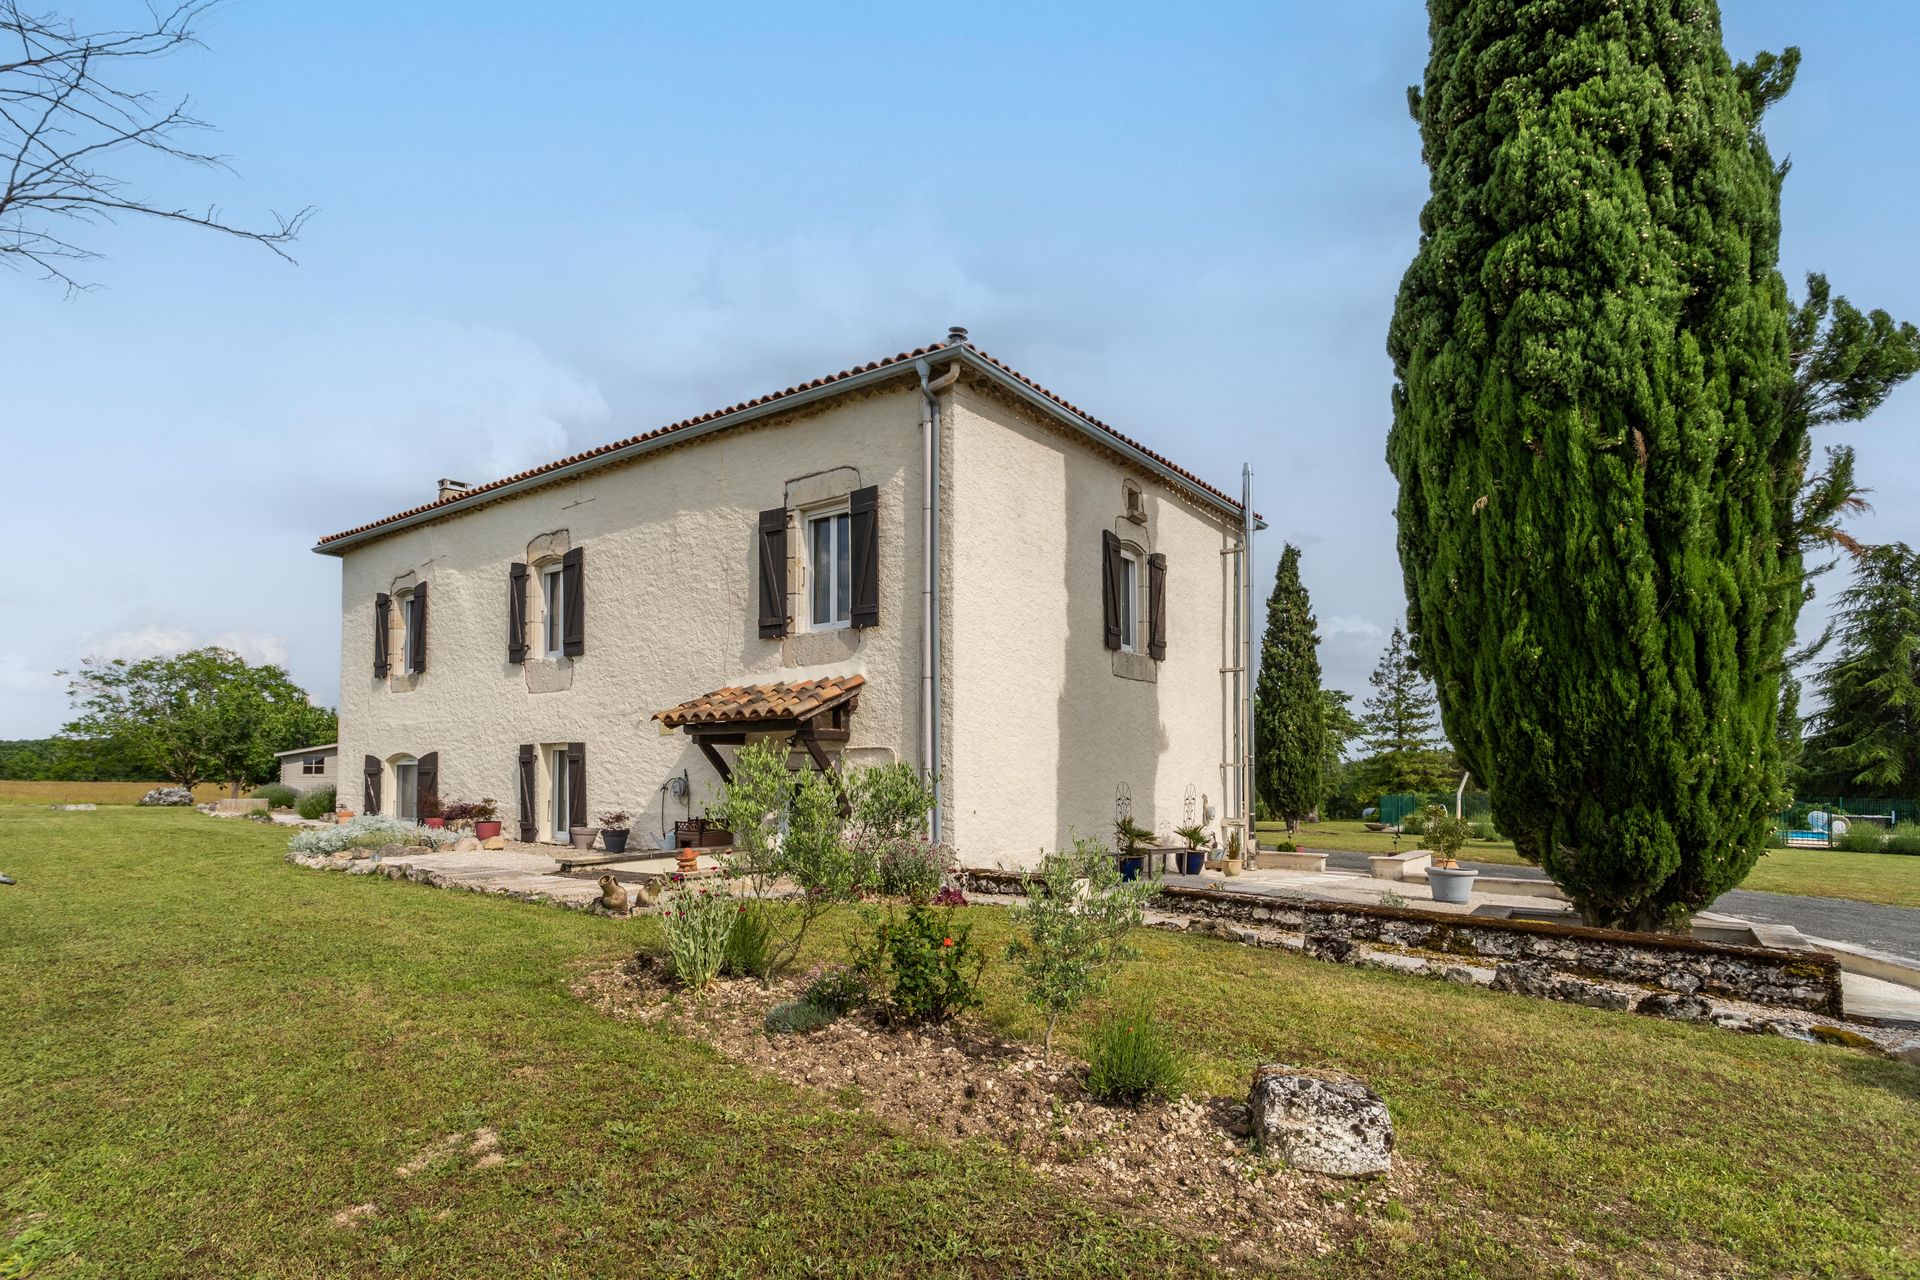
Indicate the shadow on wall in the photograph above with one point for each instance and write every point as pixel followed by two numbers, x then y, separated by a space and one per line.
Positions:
pixel 1110 736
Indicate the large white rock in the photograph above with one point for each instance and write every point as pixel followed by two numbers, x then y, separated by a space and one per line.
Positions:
pixel 1320 1121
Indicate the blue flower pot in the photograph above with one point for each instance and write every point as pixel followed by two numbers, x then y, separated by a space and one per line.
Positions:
pixel 1130 868
pixel 1193 862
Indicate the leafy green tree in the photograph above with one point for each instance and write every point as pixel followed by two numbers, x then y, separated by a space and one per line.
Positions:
pixel 1597 519
pixel 1866 737
pixel 1342 727
pixel 1072 929
pixel 194 717
pixel 1399 727
pixel 1289 710
pixel 1845 365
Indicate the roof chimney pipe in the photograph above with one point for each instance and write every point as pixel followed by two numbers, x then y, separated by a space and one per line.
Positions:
pixel 956 336
pixel 448 488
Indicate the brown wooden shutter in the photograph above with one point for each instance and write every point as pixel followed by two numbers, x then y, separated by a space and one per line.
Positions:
pixel 1110 575
pixel 863 516
pixel 417 633
pixel 382 609
pixel 573 604
pixel 773 573
pixel 370 783
pixel 426 785
pixel 517 612
pixel 529 822
pixel 576 784
pixel 1157 606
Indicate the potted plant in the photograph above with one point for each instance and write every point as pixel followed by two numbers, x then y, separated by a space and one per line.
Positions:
pixel 1233 863
pixel 613 830
pixel 486 819
pixel 582 837
pixel 1131 838
pixel 431 813
pixel 343 814
pixel 1445 835
pixel 1198 839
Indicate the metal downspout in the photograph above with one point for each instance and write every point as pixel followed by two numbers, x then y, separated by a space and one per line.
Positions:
pixel 1246 647
pixel 930 579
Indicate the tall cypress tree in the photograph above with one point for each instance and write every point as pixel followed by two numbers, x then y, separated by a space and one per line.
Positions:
pixel 1866 739
pixel 1290 733
pixel 1597 474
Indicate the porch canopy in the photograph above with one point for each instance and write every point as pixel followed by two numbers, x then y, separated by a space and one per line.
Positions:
pixel 816 713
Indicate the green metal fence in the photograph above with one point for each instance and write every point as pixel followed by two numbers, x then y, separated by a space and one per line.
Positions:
pixel 1395 807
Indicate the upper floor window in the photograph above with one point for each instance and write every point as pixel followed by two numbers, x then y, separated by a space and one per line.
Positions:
pixel 313 766
pixel 411 648
pixel 829 570
pixel 1129 601
pixel 553 594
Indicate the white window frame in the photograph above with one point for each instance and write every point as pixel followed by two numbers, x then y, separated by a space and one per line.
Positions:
pixel 313 766
pixel 1129 600
pixel 407 600
pixel 406 789
pixel 558 801
pixel 840 611
pixel 553 610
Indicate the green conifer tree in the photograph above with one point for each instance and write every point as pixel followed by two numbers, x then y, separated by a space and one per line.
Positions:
pixel 1597 475
pixel 1866 738
pixel 1400 727
pixel 1289 711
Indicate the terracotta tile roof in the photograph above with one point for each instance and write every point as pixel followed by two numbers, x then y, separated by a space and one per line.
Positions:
pixel 464 497
pixel 784 700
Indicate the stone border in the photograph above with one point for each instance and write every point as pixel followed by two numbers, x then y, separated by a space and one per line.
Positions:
pixel 1557 960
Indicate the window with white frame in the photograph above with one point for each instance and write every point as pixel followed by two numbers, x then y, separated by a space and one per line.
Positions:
pixel 553 597
pixel 829 570
pixel 1129 601
pixel 561 811
pixel 409 627
pixel 406 789
pixel 313 766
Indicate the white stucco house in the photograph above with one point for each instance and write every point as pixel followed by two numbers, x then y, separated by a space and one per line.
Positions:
pixel 926 558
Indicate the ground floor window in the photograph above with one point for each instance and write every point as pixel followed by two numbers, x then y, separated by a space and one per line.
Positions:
pixel 562 802
pixel 313 766
pixel 406 789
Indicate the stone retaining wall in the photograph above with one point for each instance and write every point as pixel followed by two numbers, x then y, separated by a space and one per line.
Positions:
pixel 1537 957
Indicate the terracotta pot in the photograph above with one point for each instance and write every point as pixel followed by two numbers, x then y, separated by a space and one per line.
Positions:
pixel 436 823
pixel 582 837
pixel 1233 866
pixel 343 815
pixel 688 859
pixel 486 830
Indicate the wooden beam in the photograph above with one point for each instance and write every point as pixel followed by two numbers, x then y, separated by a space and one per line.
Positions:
pixel 812 744
pixel 715 759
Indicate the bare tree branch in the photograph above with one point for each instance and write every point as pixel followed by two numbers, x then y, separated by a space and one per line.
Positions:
pixel 61 115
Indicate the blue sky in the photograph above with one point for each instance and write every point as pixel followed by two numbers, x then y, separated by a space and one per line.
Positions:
pixel 534 236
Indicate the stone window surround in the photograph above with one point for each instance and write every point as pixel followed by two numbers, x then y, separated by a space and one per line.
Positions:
pixel 809 495
pixel 399 679
pixel 544 674
pixel 1136 540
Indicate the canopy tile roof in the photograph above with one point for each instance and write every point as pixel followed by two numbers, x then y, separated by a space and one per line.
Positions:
pixel 783 700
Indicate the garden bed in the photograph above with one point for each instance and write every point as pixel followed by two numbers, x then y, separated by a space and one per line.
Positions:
pixel 1185 1163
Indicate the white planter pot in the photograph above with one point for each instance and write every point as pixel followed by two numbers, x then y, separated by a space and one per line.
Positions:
pixel 1450 884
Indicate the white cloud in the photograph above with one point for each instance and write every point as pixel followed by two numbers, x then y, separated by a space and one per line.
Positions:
pixel 1350 625
pixel 161 640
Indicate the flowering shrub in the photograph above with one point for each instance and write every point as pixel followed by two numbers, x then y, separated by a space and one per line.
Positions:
pixel 367 832
pixel 949 897
pixel 1131 1059
pixel 837 989
pixel 927 962
pixel 698 922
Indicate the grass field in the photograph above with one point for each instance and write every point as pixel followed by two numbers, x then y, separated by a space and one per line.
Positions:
pixel 95 792
pixel 1886 878
pixel 210 1052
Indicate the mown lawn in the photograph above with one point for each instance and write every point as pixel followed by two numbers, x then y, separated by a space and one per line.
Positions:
pixel 14 791
pixel 1886 878
pixel 209 1052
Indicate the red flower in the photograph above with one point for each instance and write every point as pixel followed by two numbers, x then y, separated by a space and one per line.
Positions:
pixel 946 942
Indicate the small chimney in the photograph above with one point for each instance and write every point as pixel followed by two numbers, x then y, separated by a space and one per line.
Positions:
pixel 956 336
pixel 450 488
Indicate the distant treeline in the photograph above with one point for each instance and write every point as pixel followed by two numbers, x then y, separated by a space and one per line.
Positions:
pixel 66 760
